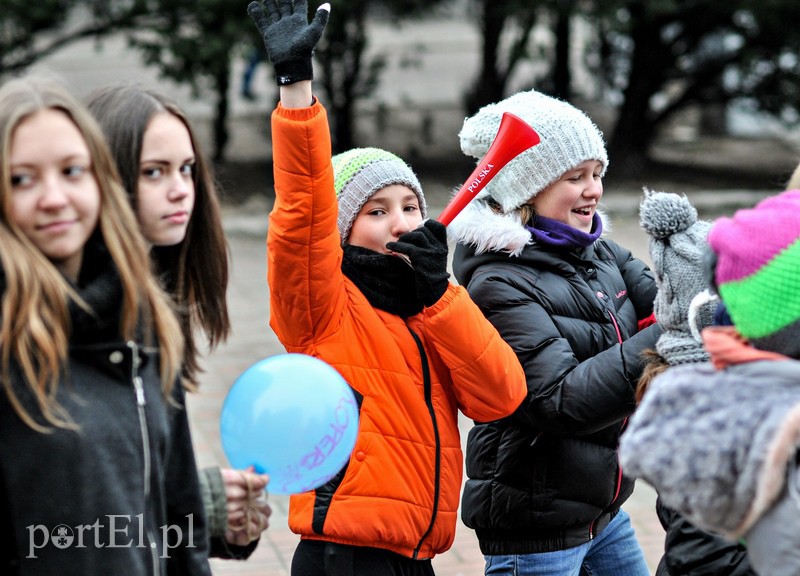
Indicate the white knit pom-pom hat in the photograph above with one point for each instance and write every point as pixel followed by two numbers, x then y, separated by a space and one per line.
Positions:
pixel 568 138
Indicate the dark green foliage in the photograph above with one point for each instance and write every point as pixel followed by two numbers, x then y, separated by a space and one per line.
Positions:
pixel 666 55
pixel 32 30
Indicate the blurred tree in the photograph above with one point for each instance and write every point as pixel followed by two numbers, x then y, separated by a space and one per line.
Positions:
pixel 505 29
pixel 32 30
pixel 194 42
pixel 665 55
pixel 344 71
pixel 651 59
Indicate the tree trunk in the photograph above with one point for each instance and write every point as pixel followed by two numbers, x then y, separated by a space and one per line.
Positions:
pixel 490 84
pixel 222 84
pixel 632 135
pixel 343 129
pixel 341 66
pixel 562 76
pixel 635 128
pixel 714 119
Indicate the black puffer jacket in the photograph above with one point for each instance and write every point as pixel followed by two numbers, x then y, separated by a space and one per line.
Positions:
pixel 547 478
pixel 105 498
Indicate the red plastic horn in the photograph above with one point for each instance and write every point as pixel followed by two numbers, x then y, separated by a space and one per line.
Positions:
pixel 514 136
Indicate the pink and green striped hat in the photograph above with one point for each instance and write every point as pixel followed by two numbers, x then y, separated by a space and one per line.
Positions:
pixel 758 271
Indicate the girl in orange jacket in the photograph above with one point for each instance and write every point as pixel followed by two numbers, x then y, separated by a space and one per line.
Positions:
pixel 359 279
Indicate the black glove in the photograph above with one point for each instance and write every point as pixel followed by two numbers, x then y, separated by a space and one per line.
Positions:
pixel 288 37
pixel 426 248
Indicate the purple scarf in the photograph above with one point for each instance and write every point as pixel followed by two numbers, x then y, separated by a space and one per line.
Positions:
pixel 555 233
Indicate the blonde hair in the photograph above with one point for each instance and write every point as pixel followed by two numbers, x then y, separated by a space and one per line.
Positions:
pixel 35 326
pixel 794 180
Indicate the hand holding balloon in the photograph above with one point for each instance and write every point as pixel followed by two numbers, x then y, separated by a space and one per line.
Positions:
pixel 246 505
pixel 293 417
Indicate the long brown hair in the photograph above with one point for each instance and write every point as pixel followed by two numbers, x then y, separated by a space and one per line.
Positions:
pixel 35 327
pixel 654 365
pixel 195 271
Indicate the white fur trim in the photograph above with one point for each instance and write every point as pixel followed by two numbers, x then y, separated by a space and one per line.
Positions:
pixel 479 226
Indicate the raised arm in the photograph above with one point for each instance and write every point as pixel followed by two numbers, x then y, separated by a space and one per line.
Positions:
pixel 303 243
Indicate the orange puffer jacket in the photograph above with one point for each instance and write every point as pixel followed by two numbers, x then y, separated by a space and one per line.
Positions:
pixel 401 488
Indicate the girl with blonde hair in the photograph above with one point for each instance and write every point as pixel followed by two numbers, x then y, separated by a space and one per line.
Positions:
pixel 94 437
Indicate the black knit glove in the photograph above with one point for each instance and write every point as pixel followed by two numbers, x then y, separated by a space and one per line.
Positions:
pixel 288 37
pixel 426 248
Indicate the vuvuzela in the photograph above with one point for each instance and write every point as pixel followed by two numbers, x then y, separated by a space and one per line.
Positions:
pixel 514 136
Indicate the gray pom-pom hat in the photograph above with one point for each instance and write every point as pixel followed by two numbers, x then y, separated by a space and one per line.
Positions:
pixel 677 247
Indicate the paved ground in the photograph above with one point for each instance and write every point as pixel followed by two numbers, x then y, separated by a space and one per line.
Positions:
pixel 252 340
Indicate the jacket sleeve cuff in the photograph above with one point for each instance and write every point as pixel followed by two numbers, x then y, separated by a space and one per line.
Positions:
pixel 299 114
pixel 444 302
pixel 212 488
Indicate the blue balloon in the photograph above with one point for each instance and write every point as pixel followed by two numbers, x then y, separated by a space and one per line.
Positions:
pixel 293 417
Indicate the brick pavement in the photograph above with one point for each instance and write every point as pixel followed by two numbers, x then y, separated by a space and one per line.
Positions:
pixel 252 340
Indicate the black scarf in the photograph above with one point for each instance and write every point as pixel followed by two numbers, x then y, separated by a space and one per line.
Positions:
pixel 100 287
pixel 386 280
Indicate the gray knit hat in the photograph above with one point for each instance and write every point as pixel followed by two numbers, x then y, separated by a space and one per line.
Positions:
pixel 677 246
pixel 361 172
pixel 568 138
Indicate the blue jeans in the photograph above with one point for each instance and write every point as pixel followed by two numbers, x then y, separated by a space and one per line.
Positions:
pixel 615 552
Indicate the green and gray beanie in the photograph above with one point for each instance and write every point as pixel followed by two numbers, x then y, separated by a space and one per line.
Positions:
pixel 361 172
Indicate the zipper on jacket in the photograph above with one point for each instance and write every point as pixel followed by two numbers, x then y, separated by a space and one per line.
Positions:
pixel 616 326
pixel 614 499
pixel 618 484
pixel 141 402
pixel 426 377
